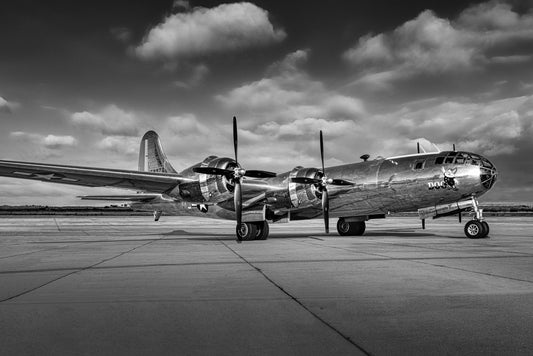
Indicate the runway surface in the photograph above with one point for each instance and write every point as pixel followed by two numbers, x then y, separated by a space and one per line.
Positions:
pixel 128 285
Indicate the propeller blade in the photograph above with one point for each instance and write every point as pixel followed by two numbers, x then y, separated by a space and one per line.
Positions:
pixel 340 182
pixel 235 139
pixel 260 174
pixel 322 152
pixel 237 200
pixel 305 180
pixel 213 170
pixel 325 208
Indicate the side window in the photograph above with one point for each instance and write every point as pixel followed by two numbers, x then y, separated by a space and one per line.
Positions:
pixel 419 165
pixel 439 160
pixel 460 159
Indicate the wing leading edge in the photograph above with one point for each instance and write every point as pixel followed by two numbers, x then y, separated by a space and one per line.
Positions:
pixel 92 177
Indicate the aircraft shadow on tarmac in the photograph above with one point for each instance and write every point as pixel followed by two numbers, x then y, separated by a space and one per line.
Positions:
pixel 273 235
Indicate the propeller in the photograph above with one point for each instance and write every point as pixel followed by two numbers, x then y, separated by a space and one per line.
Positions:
pixel 322 184
pixel 235 176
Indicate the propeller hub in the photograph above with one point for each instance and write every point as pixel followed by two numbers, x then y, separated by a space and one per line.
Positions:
pixel 324 181
pixel 240 172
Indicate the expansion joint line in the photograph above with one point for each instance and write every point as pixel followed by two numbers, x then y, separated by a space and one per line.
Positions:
pixel 78 270
pixel 422 261
pixel 300 303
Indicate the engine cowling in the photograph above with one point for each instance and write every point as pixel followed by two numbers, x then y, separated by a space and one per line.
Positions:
pixel 304 195
pixel 215 187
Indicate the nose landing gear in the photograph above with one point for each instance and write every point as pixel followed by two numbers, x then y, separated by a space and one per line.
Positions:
pixel 477 228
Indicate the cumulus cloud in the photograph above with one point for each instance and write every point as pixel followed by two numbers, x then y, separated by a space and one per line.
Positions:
pixel 186 125
pixel 495 16
pixel 491 128
pixel 287 93
pixel 428 44
pixel 191 140
pixel 286 109
pixel 124 145
pixel 203 31
pixel 197 76
pixel 308 127
pixel 52 142
pixel 181 5
pixel 283 112
pixel 111 120
pixel 7 106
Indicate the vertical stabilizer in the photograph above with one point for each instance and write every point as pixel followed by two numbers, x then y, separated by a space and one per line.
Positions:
pixel 151 155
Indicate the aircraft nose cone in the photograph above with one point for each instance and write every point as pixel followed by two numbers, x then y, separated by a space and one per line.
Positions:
pixel 488 173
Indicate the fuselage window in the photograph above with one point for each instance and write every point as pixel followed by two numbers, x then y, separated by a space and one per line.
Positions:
pixel 439 160
pixel 449 159
pixel 419 165
pixel 460 159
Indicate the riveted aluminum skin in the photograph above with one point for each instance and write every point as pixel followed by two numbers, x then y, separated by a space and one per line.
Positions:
pixel 380 186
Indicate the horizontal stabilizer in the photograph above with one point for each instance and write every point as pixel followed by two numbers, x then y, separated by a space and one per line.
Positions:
pixel 130 197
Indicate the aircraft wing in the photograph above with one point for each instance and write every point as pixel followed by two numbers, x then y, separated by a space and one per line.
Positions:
pixel 92 177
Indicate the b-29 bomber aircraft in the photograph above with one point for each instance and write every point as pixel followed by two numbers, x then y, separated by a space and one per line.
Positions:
pixel 434 184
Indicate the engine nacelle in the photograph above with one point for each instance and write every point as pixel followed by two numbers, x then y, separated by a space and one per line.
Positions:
pixel 304 195
pixel 216 188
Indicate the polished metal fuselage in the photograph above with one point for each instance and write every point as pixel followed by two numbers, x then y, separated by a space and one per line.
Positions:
pixel 380 186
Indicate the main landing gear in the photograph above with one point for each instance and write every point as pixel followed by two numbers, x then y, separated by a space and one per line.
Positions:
pixel 477 228
pixel 253 231
pixel 350 228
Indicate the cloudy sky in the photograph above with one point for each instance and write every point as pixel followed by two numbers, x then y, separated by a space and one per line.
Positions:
pixel 80 82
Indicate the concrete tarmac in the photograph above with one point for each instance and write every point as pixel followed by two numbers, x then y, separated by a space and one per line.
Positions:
pixel 183 286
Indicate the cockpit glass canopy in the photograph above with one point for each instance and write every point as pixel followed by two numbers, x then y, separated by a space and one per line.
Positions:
pixel 463 158
pixel 488 171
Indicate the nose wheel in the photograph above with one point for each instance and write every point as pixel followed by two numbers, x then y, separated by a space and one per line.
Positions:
pixel 475 229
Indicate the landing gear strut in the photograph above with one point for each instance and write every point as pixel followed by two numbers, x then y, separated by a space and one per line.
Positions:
pixel 253 231
pixel 477 228
pixel 350 228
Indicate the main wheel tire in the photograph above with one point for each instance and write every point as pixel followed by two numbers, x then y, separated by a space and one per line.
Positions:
pixel 247 231
pixel 486 228
pixel 474 229
pixel 343 227
pixel 259 229
pixel 360 228
pixel 262 230
pixel 355 228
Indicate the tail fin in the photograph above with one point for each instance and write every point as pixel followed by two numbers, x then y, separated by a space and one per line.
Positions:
pixel 151 155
